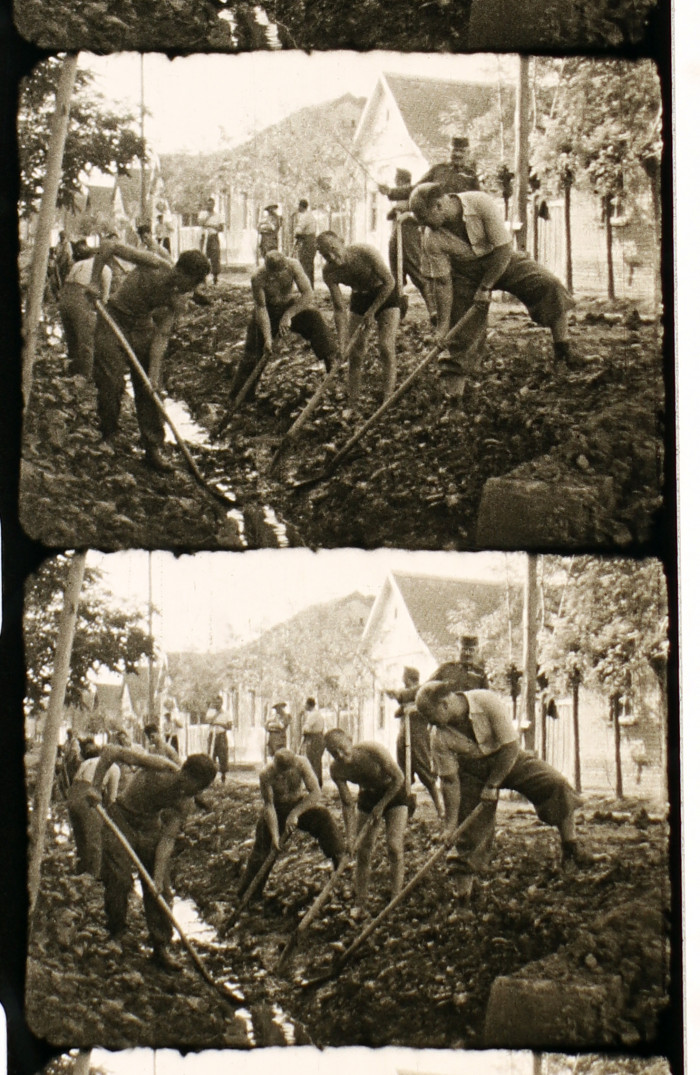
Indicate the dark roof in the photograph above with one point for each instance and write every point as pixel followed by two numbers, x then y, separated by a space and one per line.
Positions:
pixel 433 601
pixel 434 109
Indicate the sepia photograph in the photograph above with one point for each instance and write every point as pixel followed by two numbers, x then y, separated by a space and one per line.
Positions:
pixel 202 283
pixel 291 798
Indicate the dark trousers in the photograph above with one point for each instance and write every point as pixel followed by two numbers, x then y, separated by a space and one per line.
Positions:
pixel 117 872
pixel 87 828
pixel 421 760
pixel 317 821
pixel 308 323
pixel 108 372
pixel 549 792
pixel 411 244
pixel 213 252
pixel 314 746
pixel 306 253
pixel 78 318
pixel 219 752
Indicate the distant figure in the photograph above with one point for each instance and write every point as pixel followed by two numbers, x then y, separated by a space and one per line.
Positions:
pixel 162 232
pixel 63 256
pixel 467 673
pixel 217 747
pixel 276 727
pixel 209 243
pixel 78 314
pixel 85 822
pixel 305 239
pixel 456 175
pixel 421 758
pixel 170 733
pixel 411 238
pixel 156 744
pixel 312 729
pixel 269 229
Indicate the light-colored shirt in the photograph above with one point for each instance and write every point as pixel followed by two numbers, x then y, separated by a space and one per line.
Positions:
pixel 444 253
pixel 110 783
pixel 81 273
pixel 492 725
pixel 314 723
pixel 210 222
pixel 305 223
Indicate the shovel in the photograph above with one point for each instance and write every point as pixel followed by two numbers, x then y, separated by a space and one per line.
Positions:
pixel 242 393
pixel 220 498
pixel 270 860
pixel 474 320
pixel 330 886
pixel 330 378
pixel 220 987
pixel 480 818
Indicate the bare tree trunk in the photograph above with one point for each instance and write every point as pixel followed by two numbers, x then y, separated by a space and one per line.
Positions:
pixel 575 687
pixel 49 746
pixel 529 711
pixel 607 219
pixel 567 238
pixel 522 163
pixel 619 793
pixel 82 1062
pixel 45 220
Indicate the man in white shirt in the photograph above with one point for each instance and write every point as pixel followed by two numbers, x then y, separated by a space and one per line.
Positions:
pixel 209 242
pixel 78 315
pixel 467 252
pixel 476 753
pixel 305 239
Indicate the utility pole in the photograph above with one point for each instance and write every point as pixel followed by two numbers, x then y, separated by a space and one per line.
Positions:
pixel 528 716
pixel 151 677
pixel 143 151
pixel 522 162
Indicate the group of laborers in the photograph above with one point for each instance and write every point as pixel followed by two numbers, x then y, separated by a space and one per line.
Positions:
pixel 456 249
pixel 464 748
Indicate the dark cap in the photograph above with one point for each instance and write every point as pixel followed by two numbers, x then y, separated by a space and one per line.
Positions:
pixel 469 642
pixel 460 142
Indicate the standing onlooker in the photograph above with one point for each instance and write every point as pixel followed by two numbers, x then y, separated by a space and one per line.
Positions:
pixel 312 730
pixel 78 315
pixel 305 239
pixel 85 822
pixel 276 726
pixel 217 747
pixel 156 744
pixel 209 243
pixel 269 229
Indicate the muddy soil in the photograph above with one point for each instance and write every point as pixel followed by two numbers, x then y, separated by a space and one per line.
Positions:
pixel 432 955
pixel 414 482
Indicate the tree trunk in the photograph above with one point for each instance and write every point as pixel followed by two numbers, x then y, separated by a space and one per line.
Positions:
pixel 607 219
pixel 535 231
pixel 522 162
pixel 576 683
pixel 47 763
pixel 529 718
pixel 619 793
pixel 45 220
pixel 543 719
pixel 567 237
pixel 82 1062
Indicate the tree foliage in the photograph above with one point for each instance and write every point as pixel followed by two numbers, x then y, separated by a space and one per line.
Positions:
pixel 98 137
pixel 106 635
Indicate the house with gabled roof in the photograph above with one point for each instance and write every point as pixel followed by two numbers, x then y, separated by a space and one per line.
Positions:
pixel 417 620
pixel 408 122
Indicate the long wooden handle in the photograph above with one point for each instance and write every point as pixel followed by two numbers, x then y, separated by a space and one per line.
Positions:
pixel 482 814
pixel 243 392
pixel 148 880
pixel 473 318
pixel 145 379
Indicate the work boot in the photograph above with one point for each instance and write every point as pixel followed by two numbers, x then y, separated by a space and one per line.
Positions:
pixel 563 353
pixel 163 959
pixel 154 459
pixel 403 305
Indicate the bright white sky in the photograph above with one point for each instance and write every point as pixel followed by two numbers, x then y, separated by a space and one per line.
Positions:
pixel 210 600
pixel 306 1061
pixel 197 103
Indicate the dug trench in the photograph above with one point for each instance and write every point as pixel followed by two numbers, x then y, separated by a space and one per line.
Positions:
pixel 432 955
pixel 413 481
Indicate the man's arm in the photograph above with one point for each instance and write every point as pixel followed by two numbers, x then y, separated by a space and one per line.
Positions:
pixel 303 301
pixel 261 313
pixel 172 825
pixel 442 290
pixel 383 272
pixel 164 320
pixel 128 756
pixel 494 265
pixel 269 812
pixel 109 249
pixel 313 792
pixel 340 311
pixel 347 806
pixel 392 772
pixel 500 764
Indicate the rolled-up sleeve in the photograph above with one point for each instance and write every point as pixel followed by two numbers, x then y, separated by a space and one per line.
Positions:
pixel 485 225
